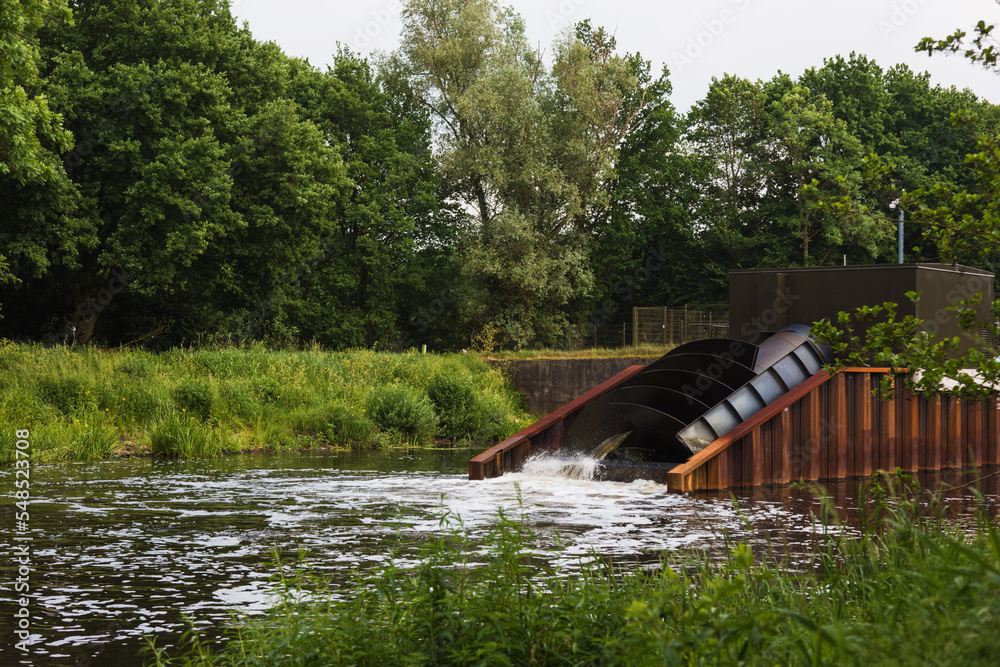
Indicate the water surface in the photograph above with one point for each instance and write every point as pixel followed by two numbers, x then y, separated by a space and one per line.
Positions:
pixel 128 548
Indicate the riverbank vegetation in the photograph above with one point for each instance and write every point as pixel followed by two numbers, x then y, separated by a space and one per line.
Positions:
pixel 905 587
pixel 84 403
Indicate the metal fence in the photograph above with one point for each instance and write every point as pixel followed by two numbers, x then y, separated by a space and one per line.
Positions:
pixel 654 326
pixel 676 326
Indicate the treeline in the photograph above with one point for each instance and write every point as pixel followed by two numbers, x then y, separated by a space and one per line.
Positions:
pixel 169 179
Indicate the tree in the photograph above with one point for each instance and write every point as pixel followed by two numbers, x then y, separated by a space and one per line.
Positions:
pixel 964 222
pixel 528 152
pixel 647 250
pixel 353 297
pixel 31 133
pixel 965 225
pixel 201 185
pixel 820 172
pixel 729 132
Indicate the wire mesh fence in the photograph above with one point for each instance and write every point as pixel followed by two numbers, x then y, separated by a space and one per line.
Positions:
pixel 676 326
pixel 654 326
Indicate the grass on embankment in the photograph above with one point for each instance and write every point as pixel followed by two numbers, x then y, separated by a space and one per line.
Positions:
pixel 909 590
pixel 643 351
pixel 86 404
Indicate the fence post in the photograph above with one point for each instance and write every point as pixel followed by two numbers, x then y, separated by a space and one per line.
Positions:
pixel 684 328
pixel 635 327
pixel 623 334
pixel 664 326
pixel 595 336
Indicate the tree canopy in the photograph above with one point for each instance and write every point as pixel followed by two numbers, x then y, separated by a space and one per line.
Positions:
pixel 169 178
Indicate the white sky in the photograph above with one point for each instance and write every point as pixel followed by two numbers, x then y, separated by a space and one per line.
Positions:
pixel 696 40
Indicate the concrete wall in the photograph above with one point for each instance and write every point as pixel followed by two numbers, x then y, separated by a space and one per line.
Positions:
pixel 551 383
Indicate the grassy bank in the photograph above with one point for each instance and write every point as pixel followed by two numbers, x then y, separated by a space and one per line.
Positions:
pixel 909 590
pixel 643 351
pixel 83 404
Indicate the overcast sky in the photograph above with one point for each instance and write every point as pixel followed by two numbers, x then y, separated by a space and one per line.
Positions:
pixel 696 40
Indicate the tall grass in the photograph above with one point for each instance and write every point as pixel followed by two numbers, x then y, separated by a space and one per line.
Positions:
pixel 645 350
pixel 907 589
pixel 84 403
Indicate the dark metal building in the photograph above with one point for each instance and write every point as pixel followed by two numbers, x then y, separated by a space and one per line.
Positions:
pixel 762 301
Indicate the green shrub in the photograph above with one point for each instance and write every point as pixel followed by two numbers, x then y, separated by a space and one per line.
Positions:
pixel 196 396
pixel 182 436
pixel 404 409
pixel 268 390
pixel 97 440
pixel 69 394
pixel 239 399
pixel 335 423
pixel 142 406
pixel 459 407
pixel 136 365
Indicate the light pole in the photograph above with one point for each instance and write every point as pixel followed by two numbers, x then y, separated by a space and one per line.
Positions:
pixel 900 234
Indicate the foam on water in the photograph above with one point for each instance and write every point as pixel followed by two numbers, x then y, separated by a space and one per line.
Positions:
pixel 575 467
pixel 131 546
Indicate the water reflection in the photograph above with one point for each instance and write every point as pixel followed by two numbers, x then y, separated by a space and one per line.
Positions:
pixel 126 548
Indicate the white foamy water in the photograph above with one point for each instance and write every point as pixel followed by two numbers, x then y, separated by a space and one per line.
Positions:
pixel 548 467
pixel 123 548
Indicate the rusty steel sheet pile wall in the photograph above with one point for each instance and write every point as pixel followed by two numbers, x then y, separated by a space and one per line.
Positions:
pixel 833 427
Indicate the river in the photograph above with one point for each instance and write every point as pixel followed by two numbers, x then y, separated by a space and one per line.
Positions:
pixel 125 549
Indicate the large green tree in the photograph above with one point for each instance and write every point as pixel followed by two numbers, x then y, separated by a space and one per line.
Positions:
pixel 201 184
pixel 818 171
pixel 729 132
pixel 361 289
pixel 963 219
pixel 31 132
pixel 528 151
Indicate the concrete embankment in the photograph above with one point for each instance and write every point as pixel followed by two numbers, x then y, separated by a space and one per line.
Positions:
pixel 552 383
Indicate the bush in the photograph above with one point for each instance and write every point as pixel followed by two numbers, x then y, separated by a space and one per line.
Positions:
pixel 460 407
pixel 136 365
pixel 182 436
pixel 403 409
pixel 239 400
pixel 195 396
pixel 68 394
pixel 335 423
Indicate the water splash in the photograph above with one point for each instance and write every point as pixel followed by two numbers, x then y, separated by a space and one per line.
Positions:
pixel 580 467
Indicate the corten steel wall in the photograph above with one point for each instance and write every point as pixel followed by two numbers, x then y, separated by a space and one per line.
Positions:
pixel 544 435
pixel 832 427
pixel 768 300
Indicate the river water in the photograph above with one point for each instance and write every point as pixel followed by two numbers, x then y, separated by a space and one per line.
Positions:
pixel 126 549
